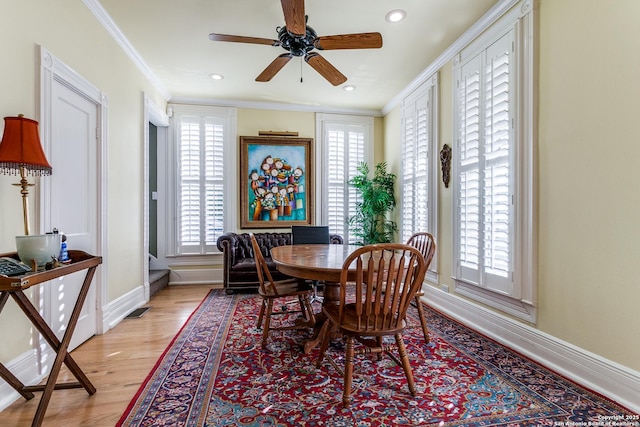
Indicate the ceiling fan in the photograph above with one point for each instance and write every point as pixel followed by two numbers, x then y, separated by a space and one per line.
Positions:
pixel 300 40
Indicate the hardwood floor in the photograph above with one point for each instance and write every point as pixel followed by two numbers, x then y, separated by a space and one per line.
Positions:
pixel 116 363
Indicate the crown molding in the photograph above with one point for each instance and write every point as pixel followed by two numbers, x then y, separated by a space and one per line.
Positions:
pixel 103 17
pixel 275 106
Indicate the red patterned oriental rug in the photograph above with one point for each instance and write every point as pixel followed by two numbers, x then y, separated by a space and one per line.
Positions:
pixel 214 373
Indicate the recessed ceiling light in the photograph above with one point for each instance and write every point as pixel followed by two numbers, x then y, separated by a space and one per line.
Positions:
pixel 349 88
pixel 395 15
pixel 216 76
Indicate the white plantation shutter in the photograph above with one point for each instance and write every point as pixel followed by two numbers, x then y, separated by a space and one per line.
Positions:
pixel 345 141
pixel 469 175
pixel 345 152
pixel 408 196
pixel 498 207
pixel 337 212
pixel 485 168
pixel 417 175
pixel 355 150
pixel 214 158
pixel 189 187
pixel 200 192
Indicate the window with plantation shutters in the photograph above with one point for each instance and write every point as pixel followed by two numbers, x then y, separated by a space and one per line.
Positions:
pixel 345 142
pixel 201 185
pixel 418 175
pixel 485 183
pixel 493 168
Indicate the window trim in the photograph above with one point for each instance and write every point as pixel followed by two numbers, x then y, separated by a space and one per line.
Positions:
pixel 521 19
pixel 428 89
pixel 230 185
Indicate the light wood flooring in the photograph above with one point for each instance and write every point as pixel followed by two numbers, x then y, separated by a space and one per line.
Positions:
pixel 116 363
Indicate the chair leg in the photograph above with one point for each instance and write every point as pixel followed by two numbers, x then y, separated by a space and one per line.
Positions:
pixel 261 315
pixel 404 357
pixel 348 372
pixel 267 323
pixel 303 307
pixel 423 319
pixel 308 308
pixel 324 335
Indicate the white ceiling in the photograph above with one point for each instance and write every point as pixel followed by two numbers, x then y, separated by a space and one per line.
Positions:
pixel 171 38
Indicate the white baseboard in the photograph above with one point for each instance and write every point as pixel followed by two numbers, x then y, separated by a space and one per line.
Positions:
pixel 610 379
pixel 118 309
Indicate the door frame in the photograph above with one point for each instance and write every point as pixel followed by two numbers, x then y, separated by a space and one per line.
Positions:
pixel 49 70
pixel 152 113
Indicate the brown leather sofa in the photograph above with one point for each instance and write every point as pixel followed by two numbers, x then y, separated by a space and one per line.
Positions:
pixel 239 265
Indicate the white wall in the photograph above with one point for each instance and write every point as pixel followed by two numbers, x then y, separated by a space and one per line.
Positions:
pixel 70 32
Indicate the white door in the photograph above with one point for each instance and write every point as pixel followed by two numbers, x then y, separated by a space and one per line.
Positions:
pixel 74 202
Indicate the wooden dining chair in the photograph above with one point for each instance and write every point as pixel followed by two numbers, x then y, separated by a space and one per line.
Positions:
pixel 426 244
pixel 385 278
pixel 282 290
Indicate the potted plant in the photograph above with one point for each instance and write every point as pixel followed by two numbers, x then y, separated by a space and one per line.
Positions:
pixel 371 223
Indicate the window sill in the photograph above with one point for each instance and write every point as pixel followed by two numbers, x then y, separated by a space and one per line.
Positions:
pixel 514 307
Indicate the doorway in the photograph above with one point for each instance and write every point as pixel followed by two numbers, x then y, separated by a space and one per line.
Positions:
pixel 156 135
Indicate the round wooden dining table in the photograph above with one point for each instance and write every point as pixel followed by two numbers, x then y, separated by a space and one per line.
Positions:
pixel 321 262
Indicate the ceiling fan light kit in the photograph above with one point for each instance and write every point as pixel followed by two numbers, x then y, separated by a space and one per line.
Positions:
pixel 299 40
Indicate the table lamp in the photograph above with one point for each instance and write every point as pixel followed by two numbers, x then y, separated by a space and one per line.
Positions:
pixel 20 150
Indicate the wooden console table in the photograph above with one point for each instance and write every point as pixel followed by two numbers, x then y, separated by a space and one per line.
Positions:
pixel 14 287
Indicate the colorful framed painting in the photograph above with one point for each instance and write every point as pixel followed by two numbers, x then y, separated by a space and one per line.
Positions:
pixel 276 181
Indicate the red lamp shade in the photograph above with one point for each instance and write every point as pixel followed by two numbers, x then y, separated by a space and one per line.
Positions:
pixel 20 147
pixel 20 150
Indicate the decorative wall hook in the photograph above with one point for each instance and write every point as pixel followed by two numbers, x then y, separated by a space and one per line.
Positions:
pixel 445 159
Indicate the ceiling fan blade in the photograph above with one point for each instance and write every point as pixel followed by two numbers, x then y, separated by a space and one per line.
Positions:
pixel 325 69
pixel 294 18
pixel 273 68
pixel 349 41
pixel 242 39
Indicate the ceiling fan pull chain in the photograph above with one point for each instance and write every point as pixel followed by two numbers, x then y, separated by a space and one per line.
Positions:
pixel 301 69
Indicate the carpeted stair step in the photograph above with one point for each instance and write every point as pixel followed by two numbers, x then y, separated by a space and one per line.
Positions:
pixel 158 279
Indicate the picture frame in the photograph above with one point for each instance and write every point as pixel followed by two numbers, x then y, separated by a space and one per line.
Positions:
pixel 276 181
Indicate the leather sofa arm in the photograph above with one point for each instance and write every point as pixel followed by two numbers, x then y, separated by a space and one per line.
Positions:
pixel 226 244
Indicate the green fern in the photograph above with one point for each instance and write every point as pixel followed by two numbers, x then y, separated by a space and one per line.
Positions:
pixel 371 224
